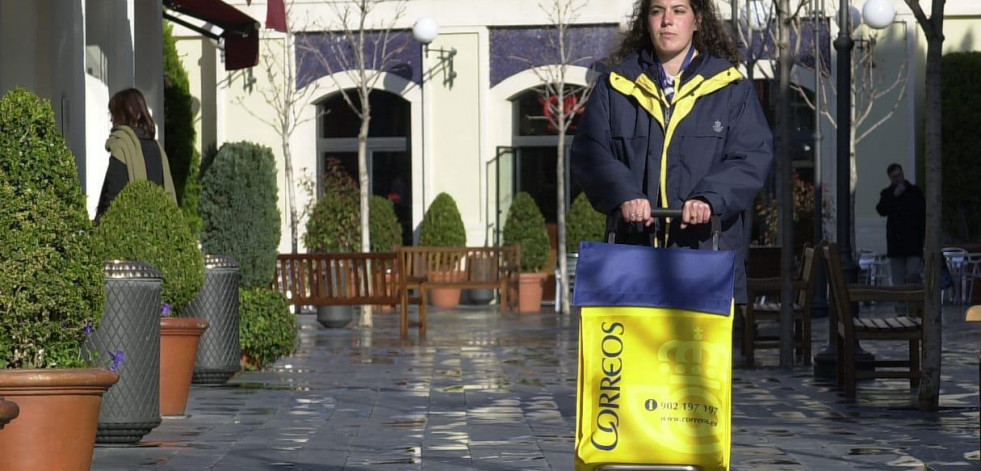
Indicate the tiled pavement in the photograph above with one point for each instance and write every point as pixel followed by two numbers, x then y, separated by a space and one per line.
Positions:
pixel 491 392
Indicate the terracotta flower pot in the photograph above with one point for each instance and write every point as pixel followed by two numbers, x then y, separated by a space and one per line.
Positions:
pixel 179 338
pixel 8 412
pixel 530 295
pixel 59 412
pixel 445 297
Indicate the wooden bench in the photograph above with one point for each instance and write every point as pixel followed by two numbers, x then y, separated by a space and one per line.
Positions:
pixel 756 311
pixel 852 329
pixel 465 268
pixel 350 279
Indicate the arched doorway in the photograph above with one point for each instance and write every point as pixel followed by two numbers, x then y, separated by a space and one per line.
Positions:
pixel 535 142
pixel 389 150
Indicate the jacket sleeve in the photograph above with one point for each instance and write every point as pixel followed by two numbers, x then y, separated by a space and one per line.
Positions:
pixel 606 180
pixel 887 201
pixel 731 186
pixel 116 178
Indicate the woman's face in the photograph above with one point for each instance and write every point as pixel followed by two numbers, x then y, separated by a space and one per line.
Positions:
pixel 671 24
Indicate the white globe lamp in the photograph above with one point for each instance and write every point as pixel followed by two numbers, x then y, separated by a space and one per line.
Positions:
pixel 878 14
pixel 425 30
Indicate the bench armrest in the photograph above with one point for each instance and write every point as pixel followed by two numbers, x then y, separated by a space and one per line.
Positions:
pixel 911 293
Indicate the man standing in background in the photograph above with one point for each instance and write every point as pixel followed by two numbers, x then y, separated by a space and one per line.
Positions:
pixel 904 207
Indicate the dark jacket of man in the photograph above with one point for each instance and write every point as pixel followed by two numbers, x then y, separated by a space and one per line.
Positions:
pixel 905 220
pixel 713 136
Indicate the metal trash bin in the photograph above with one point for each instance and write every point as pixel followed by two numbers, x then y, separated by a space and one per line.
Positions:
pixel 130 325
pixel 219 354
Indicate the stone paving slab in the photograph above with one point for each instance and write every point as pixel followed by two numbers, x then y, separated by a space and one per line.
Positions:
pixel 490 392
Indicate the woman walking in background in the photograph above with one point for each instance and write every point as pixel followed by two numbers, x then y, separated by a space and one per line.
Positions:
pixel 134 151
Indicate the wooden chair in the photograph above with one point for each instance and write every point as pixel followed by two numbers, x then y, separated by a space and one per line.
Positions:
pixel 769 310
pixel 852 329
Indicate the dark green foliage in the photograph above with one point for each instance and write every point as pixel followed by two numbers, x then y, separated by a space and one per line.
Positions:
pixel 442 225
pixel 238 206
pixel 267 329
pixel 34 152
pixel 961 117
pixel 386 232
pixel 51 283
pixel 178 115
pixel 144 224
pixel 583 223
pixel 525 226
pixel 335 222
pixel 191 199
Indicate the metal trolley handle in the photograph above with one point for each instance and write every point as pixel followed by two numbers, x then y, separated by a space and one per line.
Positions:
pixel 665 213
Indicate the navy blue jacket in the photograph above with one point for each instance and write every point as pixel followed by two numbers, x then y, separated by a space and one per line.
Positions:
pixel 714 138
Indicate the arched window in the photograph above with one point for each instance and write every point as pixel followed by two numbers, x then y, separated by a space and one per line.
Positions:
pixel 535 144
pixel 389 155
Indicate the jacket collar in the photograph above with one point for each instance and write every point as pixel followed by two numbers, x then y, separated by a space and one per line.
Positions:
pixel 640 62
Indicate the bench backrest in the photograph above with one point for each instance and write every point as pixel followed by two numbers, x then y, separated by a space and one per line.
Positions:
pixel 338 278
pixel 469 264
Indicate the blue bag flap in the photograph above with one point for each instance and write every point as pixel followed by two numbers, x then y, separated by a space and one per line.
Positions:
pixel 631 275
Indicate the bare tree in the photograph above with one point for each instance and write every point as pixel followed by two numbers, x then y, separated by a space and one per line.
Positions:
pixel 870 89
pixel 363 50
pixel 563 102
pixel 279 91
pixel 933 29
pixel 785 184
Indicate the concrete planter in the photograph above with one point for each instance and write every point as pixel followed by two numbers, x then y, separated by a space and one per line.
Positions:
pixel 131 325
pixel 217 304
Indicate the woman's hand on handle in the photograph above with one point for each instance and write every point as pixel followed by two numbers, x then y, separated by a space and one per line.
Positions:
pixel 637 210
pixel 696 211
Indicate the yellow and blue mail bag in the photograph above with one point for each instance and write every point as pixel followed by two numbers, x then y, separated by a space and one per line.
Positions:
pixel 655 356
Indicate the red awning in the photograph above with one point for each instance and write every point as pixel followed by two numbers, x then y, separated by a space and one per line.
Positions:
pixel 239 31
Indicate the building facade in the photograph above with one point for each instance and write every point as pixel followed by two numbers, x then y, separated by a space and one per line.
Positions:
pixel 459 116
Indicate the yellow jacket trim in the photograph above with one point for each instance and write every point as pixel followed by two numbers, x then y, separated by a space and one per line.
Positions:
pixel 650 97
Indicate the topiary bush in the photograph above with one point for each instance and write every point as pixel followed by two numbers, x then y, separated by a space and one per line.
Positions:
pixel 583 223
pixel 961 100
pixel 238 206
pixel 178 114
pixel 51 284
pixel 335 222
pixel 386 232
pixel 35 153
pixel 525 226
pixel 267 329
pixel 442 225
pixel 144 224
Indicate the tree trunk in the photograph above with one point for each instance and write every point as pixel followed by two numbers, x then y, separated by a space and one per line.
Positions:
pixel 560 211
pixel 290 191
pixel 785 193
pixel 929 397
pixel 365 190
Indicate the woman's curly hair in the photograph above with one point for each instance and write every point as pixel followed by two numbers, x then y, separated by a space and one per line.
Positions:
pixel 711 36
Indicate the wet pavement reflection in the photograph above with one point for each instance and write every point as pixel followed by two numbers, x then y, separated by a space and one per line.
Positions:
pixel 485 391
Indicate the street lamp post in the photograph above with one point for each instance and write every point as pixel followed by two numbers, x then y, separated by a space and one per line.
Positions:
pixel 880 14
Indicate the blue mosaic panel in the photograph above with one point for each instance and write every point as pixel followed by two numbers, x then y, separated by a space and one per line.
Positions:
pixel 515 49
pixel 322 54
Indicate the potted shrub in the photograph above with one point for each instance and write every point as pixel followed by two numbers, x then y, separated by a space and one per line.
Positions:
pixel 386 233
pixel 525 227
pixel 335 226
pixel 268 328
pixel 143 224
pixel 52 292
pixel 241 237
pixel 442 226
pixel 583 223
